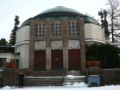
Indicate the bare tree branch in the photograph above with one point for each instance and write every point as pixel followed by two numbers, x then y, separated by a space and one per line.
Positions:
pixel 114 17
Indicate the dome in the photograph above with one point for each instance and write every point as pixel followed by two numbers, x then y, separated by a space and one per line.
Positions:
pixel 61 11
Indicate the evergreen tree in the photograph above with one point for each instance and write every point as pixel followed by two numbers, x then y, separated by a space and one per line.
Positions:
pixel 3 42
pixel 107 54
pixel 13 33
pixel 12 37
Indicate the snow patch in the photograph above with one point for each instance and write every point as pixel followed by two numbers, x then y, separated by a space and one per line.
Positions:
pixel 112 87
pixel 82 84
pixel 6 88
pixel 76 84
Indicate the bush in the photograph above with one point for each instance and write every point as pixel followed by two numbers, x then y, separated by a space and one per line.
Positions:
pixel 107 54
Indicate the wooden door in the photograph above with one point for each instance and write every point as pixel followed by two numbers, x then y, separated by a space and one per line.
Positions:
pixel 40 60
pixel 57 59
pixel 74 59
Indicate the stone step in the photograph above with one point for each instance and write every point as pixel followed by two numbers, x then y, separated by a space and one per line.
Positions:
pixel 75 73
pixel 47 73
pixel 44 81
pixel 73 76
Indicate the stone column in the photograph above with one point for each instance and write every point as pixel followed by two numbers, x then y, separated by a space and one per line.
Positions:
pixel 48 45
pixel 82 45
pixel 32 44
pixel 65 44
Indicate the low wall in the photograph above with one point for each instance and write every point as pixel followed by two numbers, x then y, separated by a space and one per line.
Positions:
pixel 110 76
pixel 10 77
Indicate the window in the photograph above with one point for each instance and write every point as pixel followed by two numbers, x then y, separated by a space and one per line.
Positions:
pixel 73 29
pixel 40 30
pixel 56 30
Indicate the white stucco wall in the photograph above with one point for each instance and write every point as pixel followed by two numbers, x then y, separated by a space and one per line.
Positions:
pixel 22 46
pixel 88 31
pixel 24 55
pixel 23 35
pixel 94 33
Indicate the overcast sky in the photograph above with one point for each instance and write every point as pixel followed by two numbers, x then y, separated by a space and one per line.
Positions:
pixel 29 8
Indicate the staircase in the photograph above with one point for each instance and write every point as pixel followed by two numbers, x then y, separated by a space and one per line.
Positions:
pixel 53 78
pixel 72 77
pixel 44 78
pixel 43 81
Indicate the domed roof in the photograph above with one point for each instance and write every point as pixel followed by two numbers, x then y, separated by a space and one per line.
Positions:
pixel 61 11
pixel 58 12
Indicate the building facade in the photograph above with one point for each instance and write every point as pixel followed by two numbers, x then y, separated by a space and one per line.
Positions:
pixel 55 40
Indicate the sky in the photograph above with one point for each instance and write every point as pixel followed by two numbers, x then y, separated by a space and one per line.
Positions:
pixel 30 8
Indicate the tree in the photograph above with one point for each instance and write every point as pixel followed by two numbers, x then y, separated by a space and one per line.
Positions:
pixel 107 54
pixel 114 16
pixel 12 37
pixel 3 42
pixel 13 33
pixel 104 22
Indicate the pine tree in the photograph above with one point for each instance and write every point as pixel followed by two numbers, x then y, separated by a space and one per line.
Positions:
pixel 12 37
pixel 3 42
pixel 13 33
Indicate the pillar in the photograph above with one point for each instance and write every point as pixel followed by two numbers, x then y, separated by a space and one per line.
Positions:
pixel 65 44
pixel 82 45
pixel 48 45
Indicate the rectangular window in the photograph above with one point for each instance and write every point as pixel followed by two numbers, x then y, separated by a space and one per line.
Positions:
pixel 56 30
pixel 40 30
pixel 73 29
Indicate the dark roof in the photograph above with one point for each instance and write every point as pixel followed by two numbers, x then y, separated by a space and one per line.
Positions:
pixel 58 12
pixel 6 49
pixel 61 11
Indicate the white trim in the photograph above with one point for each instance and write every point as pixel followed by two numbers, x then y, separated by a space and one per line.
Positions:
pixel 23 42
pixel 94 41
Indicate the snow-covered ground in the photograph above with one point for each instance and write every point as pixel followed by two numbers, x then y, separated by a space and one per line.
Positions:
pixel 76 86
pixel 117 87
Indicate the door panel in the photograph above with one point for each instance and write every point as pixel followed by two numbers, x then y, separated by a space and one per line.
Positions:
pixel 74 59
pixel 40 60
pixel 57 59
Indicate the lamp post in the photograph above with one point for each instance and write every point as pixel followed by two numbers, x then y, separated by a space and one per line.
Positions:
pixel 104 23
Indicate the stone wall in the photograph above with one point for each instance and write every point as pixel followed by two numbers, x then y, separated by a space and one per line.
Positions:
pixel 10 77
pixel 110 76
